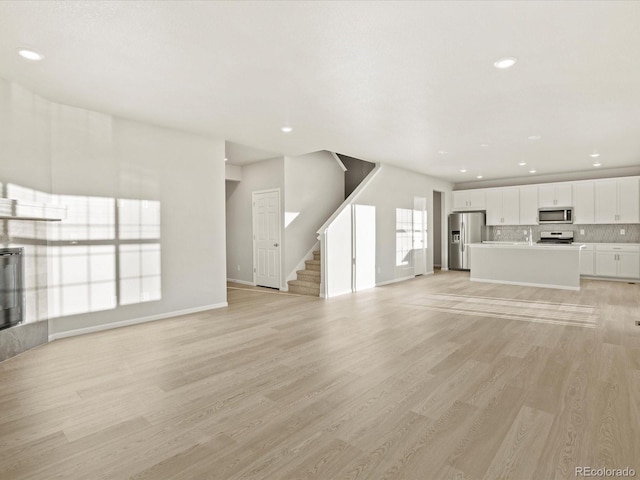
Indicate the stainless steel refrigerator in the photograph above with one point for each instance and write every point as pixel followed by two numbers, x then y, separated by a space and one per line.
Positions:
pixel 464 228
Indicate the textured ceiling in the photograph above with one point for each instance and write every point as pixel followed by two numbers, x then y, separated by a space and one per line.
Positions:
pixel 392 82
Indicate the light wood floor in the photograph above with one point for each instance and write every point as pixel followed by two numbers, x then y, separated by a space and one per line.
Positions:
pixel 434 378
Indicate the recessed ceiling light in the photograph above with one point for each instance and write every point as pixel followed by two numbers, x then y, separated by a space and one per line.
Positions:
pixel 594 155
pixel 597 164
pixel 522 164
pixel 225 159
pixel 30 55
pixel 484 144
pixel 505 62
pixel 463 170
pixel 534 137
pixel 478 176
pixel 442 152
pixel 287 129
pixel 532 171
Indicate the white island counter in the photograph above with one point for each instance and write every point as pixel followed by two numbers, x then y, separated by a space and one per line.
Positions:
pixel 550 266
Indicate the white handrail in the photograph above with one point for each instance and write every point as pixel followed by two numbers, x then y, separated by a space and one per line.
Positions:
pixel 350 199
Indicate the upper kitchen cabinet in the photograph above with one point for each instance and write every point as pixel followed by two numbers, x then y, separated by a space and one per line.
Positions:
pixel 503 206
pixel 617 200
pixel 529 205
pixel 555 195
pixel 468 200
pixel 583 202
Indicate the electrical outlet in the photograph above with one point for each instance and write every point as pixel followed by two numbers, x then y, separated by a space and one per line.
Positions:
pixel 498 232
pixel 238 267
pixel 622 231
pixel 582 231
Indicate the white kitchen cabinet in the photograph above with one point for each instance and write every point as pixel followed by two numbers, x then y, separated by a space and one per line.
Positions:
pixel 588 260
pixel 555 195
pixel 583 203
pixel 617 200
pixel 503 206
pixel 529 205
pixel 469 199
pixel 617 261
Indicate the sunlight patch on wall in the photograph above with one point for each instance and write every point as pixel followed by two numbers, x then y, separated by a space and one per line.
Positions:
pixel 105 253
pixel 289 217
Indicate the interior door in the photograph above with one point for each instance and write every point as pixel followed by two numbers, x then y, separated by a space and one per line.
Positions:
pixel 266 238
pixel 419 235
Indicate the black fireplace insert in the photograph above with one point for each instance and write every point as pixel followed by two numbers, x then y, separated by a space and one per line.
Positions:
pixel 11 287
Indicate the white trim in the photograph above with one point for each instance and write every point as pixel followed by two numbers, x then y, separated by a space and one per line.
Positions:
pixel 444 269
pixel 243 282
pixel 344 292
pixel 526 284
pixel 134 321
pixel 395 280
pixel 611 279
pixel 351 198
pixel 337 159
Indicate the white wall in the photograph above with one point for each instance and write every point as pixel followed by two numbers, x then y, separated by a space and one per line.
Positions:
pixel 314 189
pixel 78 153
pixel 264 175
pixel 394 188
pixel 337 250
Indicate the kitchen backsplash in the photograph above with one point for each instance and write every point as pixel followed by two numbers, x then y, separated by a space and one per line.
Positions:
pixel 592 233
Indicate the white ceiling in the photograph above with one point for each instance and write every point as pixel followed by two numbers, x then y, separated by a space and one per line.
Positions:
pixel 382 81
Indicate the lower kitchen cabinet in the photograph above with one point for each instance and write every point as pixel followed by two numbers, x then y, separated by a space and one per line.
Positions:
pixel 622 261
pixel 588 260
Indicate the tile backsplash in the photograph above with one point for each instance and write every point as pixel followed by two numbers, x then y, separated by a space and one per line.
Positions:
pixel 592 233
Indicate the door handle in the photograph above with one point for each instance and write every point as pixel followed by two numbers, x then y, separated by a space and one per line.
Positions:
pixel 275 244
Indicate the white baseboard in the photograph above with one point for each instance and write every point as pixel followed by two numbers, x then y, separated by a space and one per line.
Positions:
pixel 134 321
pixel 344 292
pixel 395 280
pixel 611 279
pixel 242 282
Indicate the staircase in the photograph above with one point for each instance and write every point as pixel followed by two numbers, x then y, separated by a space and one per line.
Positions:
pixel 308 282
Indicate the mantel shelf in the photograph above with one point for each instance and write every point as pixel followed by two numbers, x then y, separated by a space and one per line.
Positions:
pixel 32 219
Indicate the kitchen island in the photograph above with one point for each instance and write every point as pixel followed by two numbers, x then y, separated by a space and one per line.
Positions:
pixel 534 265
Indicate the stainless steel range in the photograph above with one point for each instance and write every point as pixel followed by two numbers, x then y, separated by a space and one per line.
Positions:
pixel 556 238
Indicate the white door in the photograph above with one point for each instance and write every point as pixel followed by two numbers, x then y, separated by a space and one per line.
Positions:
pixel 266 238
pixel 419 235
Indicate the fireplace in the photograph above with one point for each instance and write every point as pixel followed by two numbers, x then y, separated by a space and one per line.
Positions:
pixel 11 287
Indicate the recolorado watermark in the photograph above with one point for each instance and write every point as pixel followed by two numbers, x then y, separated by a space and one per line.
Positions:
pixel 605 472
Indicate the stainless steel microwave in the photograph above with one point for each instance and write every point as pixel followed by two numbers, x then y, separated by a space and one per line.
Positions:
pixel 555 215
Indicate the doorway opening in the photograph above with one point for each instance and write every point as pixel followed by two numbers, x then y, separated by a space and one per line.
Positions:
pixel 438 214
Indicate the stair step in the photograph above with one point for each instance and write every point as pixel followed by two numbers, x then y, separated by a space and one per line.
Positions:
pixel 315 273
pixel 316 255
pixel 304 291
pixel 312 265
pixel 303 283
pixel 309 276
pixel 304 287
